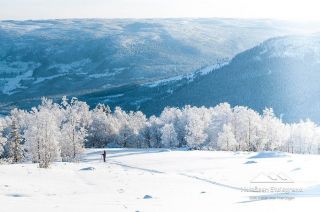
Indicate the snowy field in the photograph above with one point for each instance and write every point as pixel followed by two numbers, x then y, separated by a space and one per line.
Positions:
pixel 164 180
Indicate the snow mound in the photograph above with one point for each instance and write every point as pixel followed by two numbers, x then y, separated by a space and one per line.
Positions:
pixel 250 162
pixel 88 169
pixel 270 155
pixel 17 195
pixel 147 196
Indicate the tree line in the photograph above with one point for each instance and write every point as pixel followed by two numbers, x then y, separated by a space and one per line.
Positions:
pixel 61 131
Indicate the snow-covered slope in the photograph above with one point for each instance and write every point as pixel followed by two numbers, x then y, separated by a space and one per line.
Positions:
pixel 164 180
pixel 296 47
pixel 39 58
pixel 282 73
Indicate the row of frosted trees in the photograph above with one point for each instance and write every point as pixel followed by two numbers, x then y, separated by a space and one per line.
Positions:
pixel 52 131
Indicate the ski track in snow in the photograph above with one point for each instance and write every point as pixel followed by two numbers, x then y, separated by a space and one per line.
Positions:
pixel 137 168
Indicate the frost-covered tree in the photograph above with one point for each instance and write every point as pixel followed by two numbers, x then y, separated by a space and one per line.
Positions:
pixel 304 138
pixel 146 135
pixel 220 115
pixel 97 133
pixel 3 139
pixel 43 134
pixel 154 131
pixel 73 130
pixel 137 123
pixel 174 116
pixel 53 130
pixel 274 132
pixel 169 136
pixel 125 131
pixel 17 122
pixel 226 139
pixel 15 139
pixel 131 125
pixel 195 134
pixel 245 123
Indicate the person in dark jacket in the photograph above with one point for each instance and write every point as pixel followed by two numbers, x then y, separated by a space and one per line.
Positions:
pixel 104 155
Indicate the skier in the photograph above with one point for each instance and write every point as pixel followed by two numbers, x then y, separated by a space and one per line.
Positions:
pixel 104 154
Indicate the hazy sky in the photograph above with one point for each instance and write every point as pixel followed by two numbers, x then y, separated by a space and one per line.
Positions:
pixel 48 9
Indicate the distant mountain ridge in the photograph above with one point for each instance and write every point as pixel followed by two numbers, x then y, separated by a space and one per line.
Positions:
pixel 125 62
pixel 282 73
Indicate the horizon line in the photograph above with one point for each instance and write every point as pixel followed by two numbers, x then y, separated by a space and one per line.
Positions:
pixel 163 18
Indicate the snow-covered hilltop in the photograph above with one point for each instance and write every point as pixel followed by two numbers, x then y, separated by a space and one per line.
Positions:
pixel 301 47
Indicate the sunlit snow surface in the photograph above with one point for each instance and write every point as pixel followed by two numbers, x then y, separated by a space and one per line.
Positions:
pixel 164 180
